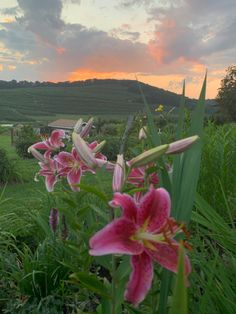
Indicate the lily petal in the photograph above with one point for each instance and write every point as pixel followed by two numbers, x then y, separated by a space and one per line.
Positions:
pixel 65 159
pixel 55 138
pixel 127 203
pixel 167 256
pixel 41 145
pixel 73 178
pixel 50 181
pixel 140 279
pixel 154 208
pixel 115 238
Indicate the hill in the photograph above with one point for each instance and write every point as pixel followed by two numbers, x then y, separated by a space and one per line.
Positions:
pixel 25 101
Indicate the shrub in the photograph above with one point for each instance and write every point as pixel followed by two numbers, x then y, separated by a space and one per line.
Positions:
pixel 22 146
pixel 109 129
pixel 5 166
pixel 26 138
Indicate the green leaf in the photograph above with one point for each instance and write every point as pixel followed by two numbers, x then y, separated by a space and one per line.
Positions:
pixel 101 213
pixel 187 166
pixel 90 282
pixel 123 269
pixel 179 299
pixel 93 190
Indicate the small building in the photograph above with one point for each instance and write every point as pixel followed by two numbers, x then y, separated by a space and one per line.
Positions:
pixel 63 124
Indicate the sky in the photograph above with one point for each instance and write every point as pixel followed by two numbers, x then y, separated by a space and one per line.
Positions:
pixel 160 42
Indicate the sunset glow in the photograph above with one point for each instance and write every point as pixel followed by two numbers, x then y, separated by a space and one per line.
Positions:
pixel 161 44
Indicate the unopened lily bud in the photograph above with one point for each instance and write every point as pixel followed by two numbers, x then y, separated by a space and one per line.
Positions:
pixel 181 145
pixel 148 156
pixel 119 174
pixel 86 129
pixel 78 126
pixel 99 147
pixel 54 219
pixel 142 133
pixel 36 154
pixel 84 151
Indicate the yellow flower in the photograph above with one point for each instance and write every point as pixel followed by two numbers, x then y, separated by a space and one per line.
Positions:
pixel 160 108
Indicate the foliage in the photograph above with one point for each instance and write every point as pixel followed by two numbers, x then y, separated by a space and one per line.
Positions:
pixel 6 167
pixel 26 138
pixel 109 129
pixel 226 98
pixel 111 148
pixel 47 272
pixel 218 171
pixel 26 102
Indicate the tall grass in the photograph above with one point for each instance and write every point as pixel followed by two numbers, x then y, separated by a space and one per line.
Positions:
pixel 217 183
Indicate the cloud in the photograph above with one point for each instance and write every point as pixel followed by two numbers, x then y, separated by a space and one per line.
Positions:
pixel 42 18
pixel 10 11
pixel 130 3
pixel 185 36
pixel 124 32
pixel 188 29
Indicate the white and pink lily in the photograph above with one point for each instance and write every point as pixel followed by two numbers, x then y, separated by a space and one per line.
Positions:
pixel 50 169
pixel 146 232
pixel 72 167
pixel 54 142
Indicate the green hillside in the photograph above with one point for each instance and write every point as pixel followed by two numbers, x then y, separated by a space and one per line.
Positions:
pixel 93 97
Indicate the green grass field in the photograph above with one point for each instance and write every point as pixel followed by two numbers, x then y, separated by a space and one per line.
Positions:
pixel 100 98
pixel 24 216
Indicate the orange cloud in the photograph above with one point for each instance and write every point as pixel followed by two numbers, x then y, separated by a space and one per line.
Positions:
pixel 11 67
pixel 1 67
pixel 60 50
pixel 8 20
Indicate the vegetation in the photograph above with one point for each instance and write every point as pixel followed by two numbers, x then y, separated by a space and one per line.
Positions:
pixel 25 139
pixel 45 270
pixel 226 98
pixel 45 101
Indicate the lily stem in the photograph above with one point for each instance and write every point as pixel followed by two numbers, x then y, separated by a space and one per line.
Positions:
pixel 114 267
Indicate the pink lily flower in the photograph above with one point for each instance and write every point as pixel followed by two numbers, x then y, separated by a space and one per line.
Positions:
pixel 54 142
pixel 72 167
pixel 146 232
pixel 50 170
pixel 138 177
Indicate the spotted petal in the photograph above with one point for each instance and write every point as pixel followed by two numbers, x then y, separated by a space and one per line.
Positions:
pixel 115 238
pixel 127 203
pixel 55 138
pixel 154 208
pixel 41 145
pixel 166 255
pixel 65 159
pixel 140 279
pixel 73 178
pixel 50 181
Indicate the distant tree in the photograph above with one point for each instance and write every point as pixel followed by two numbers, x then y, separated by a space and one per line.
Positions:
pixel 226 98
